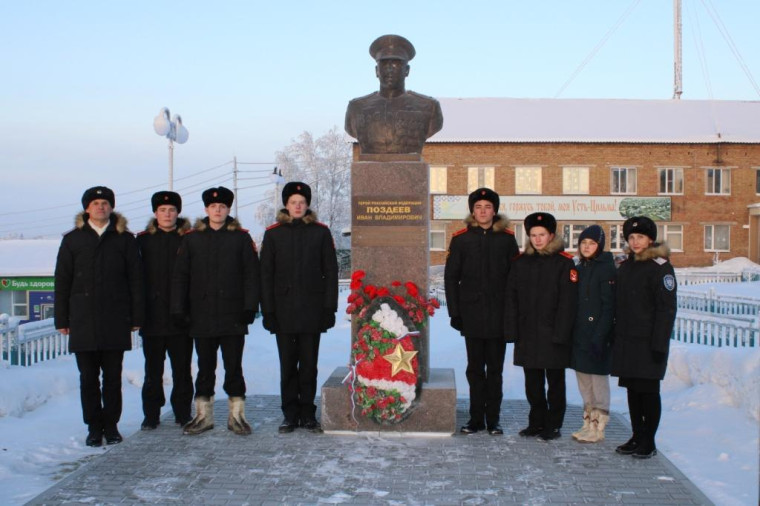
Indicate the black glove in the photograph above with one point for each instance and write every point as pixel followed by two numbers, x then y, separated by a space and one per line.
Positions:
pixel 181 320
pixel 597 351
pixel 248 317
pixel 456 323
pixel 658 357
pixel 270 322
pixel 328 320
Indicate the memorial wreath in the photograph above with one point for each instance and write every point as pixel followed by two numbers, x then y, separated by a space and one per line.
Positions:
pixel 384 364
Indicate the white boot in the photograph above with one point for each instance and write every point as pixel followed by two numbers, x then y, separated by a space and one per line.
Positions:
pixel 604 418
pixel 236 421
pixel 599 419
pixel 204 416
pixel 586 423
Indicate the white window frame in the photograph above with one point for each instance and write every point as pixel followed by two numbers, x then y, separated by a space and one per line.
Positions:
pixel 631 180
pixel 575 180
pixel 720 185
pixel 533 175
pixel 617 241
pixel 439 175
pixel 709 236
pixel 438 229
pixel 666 232
pixel 571 233
pixel 480 177
pixel 673 184
pixel 20 307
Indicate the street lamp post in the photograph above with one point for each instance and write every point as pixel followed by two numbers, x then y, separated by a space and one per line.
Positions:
pixel 276 178
pixel 173 130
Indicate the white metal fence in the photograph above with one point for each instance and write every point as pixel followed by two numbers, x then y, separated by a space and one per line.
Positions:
pixel 685 278
pixel 34 342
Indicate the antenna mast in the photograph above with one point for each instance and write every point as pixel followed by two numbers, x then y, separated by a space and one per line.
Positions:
pixel 677 32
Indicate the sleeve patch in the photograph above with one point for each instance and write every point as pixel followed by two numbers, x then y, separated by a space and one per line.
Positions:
pixel 670 282
pixel 661 260
pixel 573 275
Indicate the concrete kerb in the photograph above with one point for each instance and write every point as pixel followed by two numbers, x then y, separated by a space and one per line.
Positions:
pixel 218 467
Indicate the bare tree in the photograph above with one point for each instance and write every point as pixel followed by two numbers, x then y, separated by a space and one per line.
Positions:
pixel 324 164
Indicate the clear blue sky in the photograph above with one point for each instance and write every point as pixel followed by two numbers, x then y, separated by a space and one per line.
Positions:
pixel 83 80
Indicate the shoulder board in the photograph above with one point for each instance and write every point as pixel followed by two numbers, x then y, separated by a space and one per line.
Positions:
pixel 274 225
pixel 142 233
pixel 244 230
pixel 661 260
pixel 566 254
pixel 510 232
pixel 190 231
pixel 517 256
pixel 459 232
pixel 321 224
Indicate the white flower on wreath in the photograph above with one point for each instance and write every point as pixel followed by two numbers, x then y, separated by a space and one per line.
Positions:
pixel 390 320
pixel 407 391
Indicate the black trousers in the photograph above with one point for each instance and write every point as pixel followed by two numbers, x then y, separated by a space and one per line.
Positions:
pixel 547 406
pixel 298 375
pixel 101 407
pixel 232 356
pixel 645 410
pixel 180 351
pixel 485 364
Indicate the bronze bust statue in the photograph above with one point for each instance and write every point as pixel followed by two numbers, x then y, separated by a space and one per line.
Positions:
pixel 393 120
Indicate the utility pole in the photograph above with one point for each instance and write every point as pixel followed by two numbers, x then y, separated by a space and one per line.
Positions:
pixel 677 56
pixel 235 183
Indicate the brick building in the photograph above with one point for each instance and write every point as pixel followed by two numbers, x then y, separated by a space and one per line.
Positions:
pixel 693 166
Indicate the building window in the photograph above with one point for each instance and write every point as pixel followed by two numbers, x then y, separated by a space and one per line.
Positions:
pixel 438 179
pixel 717 238
pixel 671 182
pixel 480 177
pixel 623 181
pixel 19 304
pixel 437 235
pixel 519 235
pixel 528 180
pixel 672 234
pixel 757 181
pixel 718 182
pixel 616 237
pixel 570 234
pixel 575 180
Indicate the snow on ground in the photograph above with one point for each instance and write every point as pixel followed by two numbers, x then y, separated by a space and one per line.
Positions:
pixel 709 428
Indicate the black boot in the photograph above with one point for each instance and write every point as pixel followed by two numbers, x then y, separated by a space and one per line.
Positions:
pixel 531 431
pixel 471 427
pixel 628 447
pixel 287 426
pixel 94 436
pixel 112 435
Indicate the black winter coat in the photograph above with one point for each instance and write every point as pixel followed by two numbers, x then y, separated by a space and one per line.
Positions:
pixel 216 279
pixel 99 293
pixel 645 313
pixel 475 277
pixel 595 317
pixel 542 298
pixel 159 253
pixel 299 273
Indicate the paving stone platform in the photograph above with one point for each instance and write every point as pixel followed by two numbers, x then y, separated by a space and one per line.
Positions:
pixel 218 467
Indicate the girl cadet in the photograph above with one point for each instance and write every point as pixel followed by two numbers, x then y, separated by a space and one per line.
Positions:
pixel 542 296
pixel 592 335
pixel 645 311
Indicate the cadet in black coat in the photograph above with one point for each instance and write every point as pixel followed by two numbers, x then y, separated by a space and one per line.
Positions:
pixel 159 243
pixel 299 278
pixel 645 314
pixel 216 289
pixel 477 265
pixel 542 295
pixel 592 335
pixel 99 301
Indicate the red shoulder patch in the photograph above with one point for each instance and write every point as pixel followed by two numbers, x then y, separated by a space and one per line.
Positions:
pixel 244 230
pixel 322 224
pixel 142 233
pixel 274 225
pixel 459 232
pixel 566 254
pixel 508 231
pixel 190 231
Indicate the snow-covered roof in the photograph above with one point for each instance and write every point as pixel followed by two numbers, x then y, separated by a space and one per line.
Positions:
pixel 33 257
pixel 598 120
